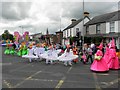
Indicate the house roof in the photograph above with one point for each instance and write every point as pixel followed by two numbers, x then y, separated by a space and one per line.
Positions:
pixel 59 31
pixel 104 18
pixel 73 24
pixel 36 34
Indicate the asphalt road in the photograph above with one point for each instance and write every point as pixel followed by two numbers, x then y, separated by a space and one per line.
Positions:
pixel 19 73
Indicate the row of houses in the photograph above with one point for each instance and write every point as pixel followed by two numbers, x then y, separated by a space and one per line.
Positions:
pixel 88 30
pixel 48 38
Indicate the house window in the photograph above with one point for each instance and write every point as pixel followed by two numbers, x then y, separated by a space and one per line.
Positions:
pixel 70 32
pixel 77 30
pixel 67 33
pixel 112 26
pixel 87 30
pixel 97 28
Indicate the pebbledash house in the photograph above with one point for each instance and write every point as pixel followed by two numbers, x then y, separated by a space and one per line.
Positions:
pixel 104 27
pixel 74 32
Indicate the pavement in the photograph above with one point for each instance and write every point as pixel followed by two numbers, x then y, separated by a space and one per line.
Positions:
pixel 18 72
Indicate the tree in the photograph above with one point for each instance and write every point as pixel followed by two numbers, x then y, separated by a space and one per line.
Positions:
pixel 6 35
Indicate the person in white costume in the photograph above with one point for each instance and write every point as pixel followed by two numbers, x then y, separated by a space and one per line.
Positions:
pixel 52 55
pixel 49 55
pixel 39 50
pixel 67 57
pixel 30 55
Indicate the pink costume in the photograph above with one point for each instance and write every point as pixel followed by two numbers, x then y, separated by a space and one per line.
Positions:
pixel 99 65
pixel 113 59
pixel 113 62
pixel 106 55
pixel 84 57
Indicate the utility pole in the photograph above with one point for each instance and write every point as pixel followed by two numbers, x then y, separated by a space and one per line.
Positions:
pixel 83 26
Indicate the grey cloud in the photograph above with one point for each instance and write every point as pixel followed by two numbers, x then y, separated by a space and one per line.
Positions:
pixel 72 9
pixel 20 10
pixel 75 10
pixel 15 10
pixel 98 8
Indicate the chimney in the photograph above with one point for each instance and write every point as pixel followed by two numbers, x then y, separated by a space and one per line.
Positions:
pixel 73 20
pixel 86 14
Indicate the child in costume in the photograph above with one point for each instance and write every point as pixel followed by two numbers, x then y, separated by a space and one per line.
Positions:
pixel 7 50
pixel 12 51
pixel 99 64
pixel 22 50
pixel 75 52
pixel 39 50
pixel 118 55
pixel 67 57
pixel 49 55
pixel 83 58
pixel 30 55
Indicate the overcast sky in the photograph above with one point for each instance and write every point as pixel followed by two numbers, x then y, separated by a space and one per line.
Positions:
pixel 36 16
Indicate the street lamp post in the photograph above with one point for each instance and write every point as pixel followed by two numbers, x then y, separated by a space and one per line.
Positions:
pixel 22 29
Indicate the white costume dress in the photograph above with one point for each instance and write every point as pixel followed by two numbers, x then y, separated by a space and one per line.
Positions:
pixel 30 55
pixel 50 55
pixel 39 51
pixel 67 57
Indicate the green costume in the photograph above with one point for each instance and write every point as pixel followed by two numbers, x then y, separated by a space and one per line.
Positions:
pixel 7 51
pixel 19 52
pixel 22 51
pixel 12 51
pixel 46 48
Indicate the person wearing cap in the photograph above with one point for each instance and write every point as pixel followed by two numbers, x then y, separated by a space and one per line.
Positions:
pixel 99 64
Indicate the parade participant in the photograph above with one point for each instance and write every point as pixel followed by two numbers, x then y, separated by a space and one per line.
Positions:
pixel 106 55
pixel 16 39
pixel 83 57
pixel 12 51
pixel 7 50
pixel 99 64
pixel 89 51
pixel 30 55
pixel 113 62
pixel 49 55
pixel 118 55
pixel 46 48
pixel 75 52
pixel 67 56
pixel 22 49
pixel 39 50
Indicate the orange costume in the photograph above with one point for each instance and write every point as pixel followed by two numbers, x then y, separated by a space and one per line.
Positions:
pixel 118 55
pixel 75 53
